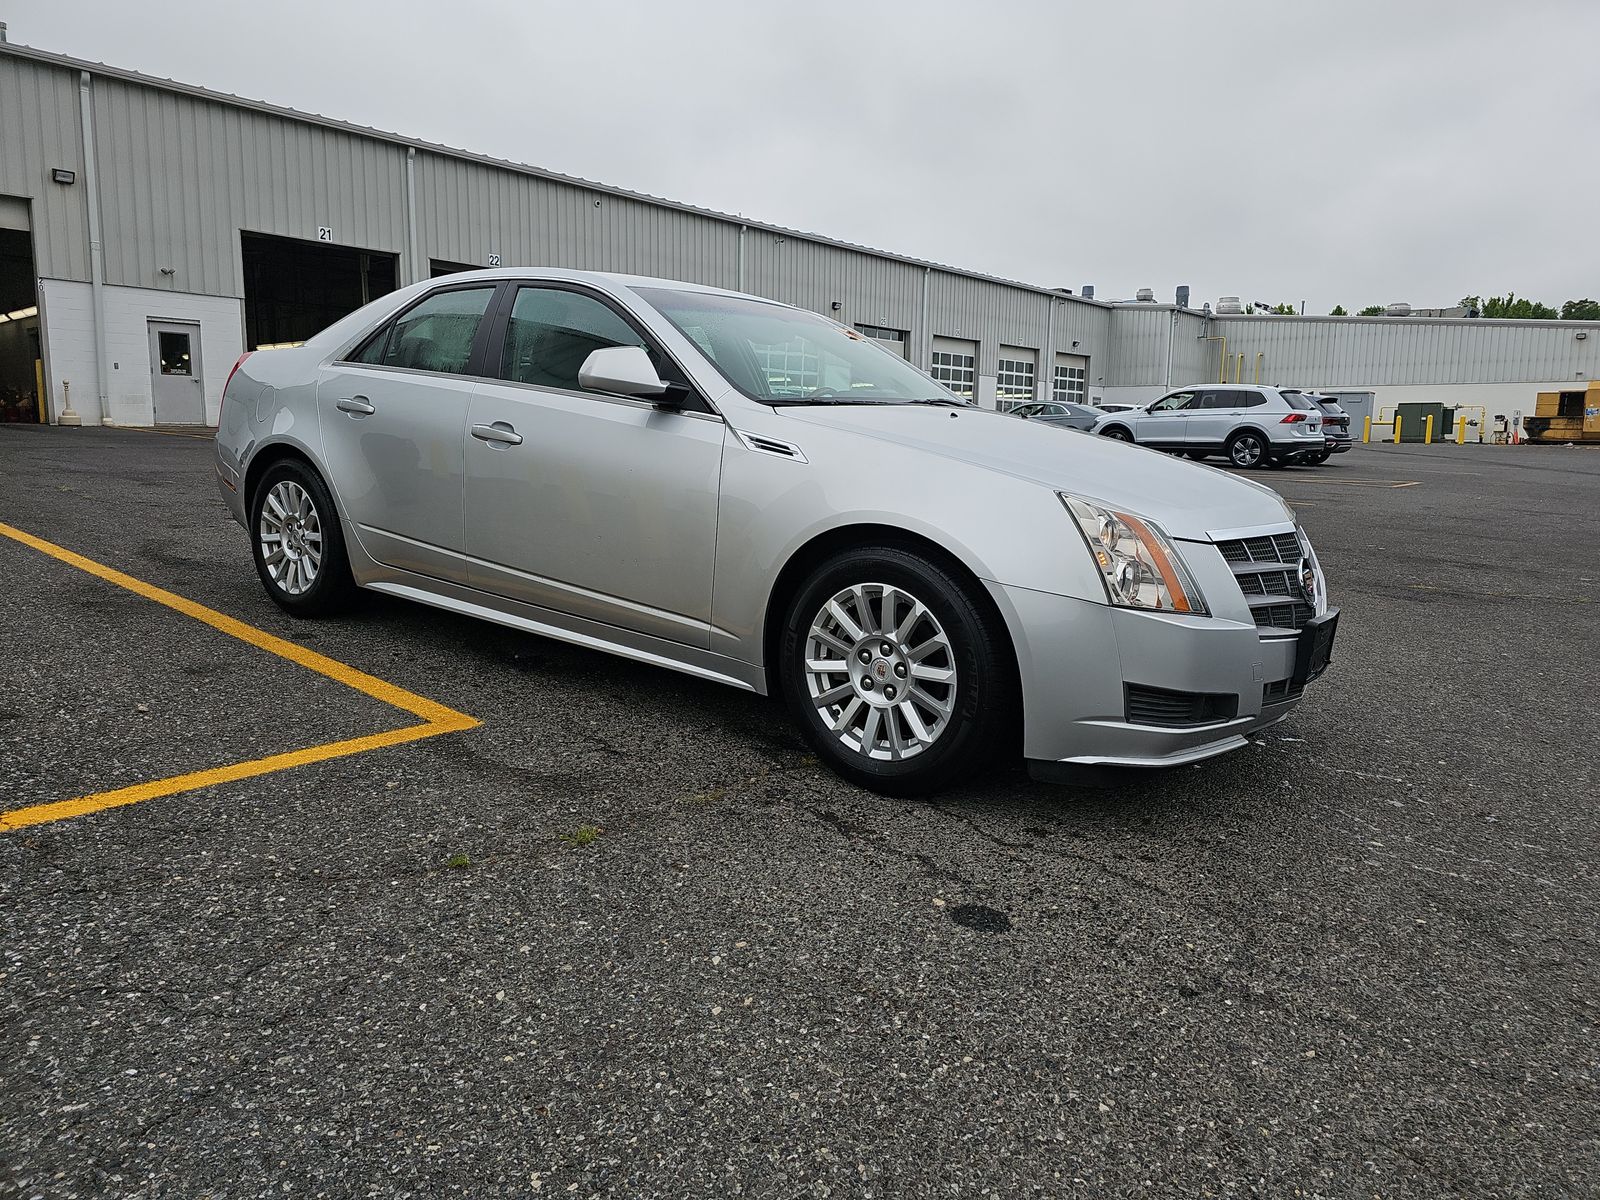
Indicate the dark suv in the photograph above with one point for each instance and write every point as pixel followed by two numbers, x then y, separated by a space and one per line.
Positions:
pixel 1335 427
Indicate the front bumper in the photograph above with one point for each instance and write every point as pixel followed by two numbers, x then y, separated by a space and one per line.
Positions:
pixel 1078 658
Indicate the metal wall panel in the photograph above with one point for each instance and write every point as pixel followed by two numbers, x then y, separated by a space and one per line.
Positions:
pixel 468 210
pixel 180 176
pixel 815 275
pixel 989 313
pixel 40 130
pixel 1402 351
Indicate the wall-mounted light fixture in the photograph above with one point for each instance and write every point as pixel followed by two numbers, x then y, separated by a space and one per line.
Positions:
pixel 1581 334
pixel 835 305
pixel 1074 343
pixel 62 175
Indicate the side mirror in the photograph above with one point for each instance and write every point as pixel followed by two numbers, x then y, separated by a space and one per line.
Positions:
pixel 625 370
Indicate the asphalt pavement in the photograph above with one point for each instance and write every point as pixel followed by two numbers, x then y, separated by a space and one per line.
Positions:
pixel 627 938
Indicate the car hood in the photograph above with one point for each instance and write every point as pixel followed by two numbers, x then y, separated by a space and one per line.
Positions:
pixel 1186 499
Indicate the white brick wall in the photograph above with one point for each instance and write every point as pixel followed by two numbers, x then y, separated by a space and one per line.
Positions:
pixel 69 346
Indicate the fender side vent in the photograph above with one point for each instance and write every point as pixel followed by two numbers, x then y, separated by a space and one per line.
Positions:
pixel 767 445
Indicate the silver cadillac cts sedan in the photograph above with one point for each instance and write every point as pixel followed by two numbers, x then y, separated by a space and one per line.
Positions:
pixel 753 494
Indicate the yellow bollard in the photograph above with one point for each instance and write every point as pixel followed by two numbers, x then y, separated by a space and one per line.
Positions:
pixel 1427 431
pixel 1397 428
pixel 1461 431
pixel 1366 431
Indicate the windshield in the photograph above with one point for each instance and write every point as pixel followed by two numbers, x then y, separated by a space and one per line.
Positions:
pixel 782 355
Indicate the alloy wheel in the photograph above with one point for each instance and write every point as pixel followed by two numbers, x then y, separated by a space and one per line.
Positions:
pixel 1245 451
pixel 881 671
pixel 290 535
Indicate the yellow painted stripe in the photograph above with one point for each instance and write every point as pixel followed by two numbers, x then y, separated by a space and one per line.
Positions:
pixel 39 814
pixel 436 718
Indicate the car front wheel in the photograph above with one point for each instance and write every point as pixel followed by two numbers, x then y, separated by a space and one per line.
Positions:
pixel 899 677
pixel 1247 449
pixel 297 543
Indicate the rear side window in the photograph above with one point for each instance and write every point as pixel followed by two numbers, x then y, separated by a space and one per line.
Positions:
pixel 435 335
pixel 551 332
pixel 1296 401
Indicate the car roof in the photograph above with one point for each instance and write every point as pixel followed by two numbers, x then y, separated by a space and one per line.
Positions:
pixel 603 278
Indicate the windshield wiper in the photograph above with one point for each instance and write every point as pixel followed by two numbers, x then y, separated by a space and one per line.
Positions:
pixel 943 401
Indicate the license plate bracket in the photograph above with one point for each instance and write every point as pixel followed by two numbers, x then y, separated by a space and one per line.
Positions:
pixel 1314 647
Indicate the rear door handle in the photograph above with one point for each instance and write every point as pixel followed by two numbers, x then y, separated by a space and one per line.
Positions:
pixel 499 433
pixel 356 405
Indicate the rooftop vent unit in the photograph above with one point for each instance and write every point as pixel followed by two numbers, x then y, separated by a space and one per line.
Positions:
pixel 1088 291
pixel 1183 295
pixel 1229 306
pixel 1145 296
pixel 1398 309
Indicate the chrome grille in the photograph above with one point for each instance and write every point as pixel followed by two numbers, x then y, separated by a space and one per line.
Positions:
pixel 1267 569
pixel 1276 547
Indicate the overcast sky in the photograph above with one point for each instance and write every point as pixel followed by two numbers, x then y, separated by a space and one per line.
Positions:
pixel 1352 153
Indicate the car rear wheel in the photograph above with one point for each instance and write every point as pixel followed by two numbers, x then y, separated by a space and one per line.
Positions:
pixel 899 677
pixel 1247 449
pixel 297 543
pixel 1117 434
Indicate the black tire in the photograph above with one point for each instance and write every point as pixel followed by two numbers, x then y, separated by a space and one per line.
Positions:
pixel 979 723
pixel 1199 455
pixel 332 587
pixel 1248 449
pixel 1117 433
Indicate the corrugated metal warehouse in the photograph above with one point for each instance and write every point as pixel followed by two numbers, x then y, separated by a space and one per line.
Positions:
pixel 151 231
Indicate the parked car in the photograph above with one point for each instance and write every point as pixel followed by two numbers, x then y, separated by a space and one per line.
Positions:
pixel 1335 426
pixel 1058 413
pixel 755 495
pixel 1254 426
pixel 1111 406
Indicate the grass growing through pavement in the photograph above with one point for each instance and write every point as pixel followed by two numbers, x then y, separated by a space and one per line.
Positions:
pixel 457 860
pixel 584 835
pixel 704 798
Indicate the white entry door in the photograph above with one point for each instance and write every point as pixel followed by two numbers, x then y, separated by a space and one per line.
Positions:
pixel 175 379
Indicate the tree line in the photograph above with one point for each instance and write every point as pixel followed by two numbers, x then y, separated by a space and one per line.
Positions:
pixel 1510 306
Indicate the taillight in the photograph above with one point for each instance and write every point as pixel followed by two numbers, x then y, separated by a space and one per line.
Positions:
pixel 231 374
pixel 1293 418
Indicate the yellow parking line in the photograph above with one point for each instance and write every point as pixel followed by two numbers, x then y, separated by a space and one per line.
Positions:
pixel 204 437
pixel 1383 483
pixel 436 718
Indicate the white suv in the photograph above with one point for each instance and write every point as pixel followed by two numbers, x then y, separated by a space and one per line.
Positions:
pixel 1254 426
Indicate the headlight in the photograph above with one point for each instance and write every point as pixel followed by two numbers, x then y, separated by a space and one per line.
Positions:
pixel 1138 564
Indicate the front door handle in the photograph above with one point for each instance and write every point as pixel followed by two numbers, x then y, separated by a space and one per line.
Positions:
pixel 358 406
pixel 499 433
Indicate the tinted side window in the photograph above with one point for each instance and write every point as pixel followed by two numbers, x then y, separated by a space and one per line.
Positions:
pixel 551 332
pixel 1252 400
pixel 435 335
pixel 1301 402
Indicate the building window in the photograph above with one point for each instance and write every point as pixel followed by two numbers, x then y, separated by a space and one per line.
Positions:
pixel 792 369
pixel 1069 385
pixel 958 372
pixel 879 333
pixel 1013 383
